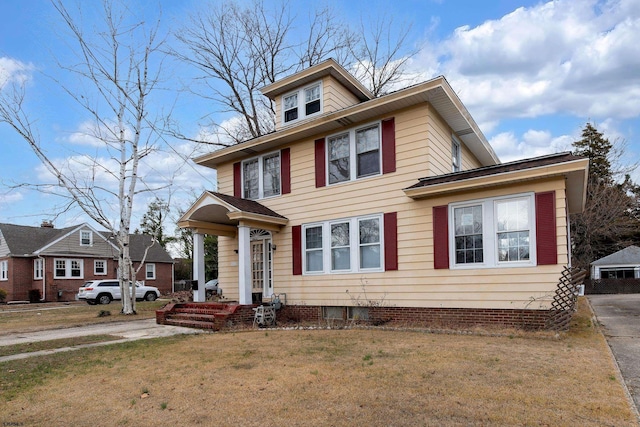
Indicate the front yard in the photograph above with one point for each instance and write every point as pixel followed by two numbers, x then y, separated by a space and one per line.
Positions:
pixel 325 377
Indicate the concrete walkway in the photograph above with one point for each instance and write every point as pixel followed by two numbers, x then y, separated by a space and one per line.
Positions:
pixel 619 317
pixel 128 331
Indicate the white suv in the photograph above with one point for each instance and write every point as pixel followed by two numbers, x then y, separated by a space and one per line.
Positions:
pixel 105 291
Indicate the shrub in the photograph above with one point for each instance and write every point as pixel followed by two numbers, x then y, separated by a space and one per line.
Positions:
pixel 34 295
pixel 3 295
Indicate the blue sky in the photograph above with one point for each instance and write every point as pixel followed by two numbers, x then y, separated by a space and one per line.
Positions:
pixel 531 74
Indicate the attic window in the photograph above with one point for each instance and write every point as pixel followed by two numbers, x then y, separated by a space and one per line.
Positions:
pixel 291 107
pixel 86 238
pixel 302 103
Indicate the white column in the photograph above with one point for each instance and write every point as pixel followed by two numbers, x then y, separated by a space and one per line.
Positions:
pixel 244 264
pixel 198 266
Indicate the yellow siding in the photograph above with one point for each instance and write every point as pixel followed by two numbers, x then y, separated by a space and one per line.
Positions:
pixel 422 149
pixel 336 96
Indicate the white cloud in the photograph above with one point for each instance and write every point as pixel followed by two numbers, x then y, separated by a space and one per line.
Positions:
pixel 533 143
pixel 11 197
pixel 14 71
pixel 577 57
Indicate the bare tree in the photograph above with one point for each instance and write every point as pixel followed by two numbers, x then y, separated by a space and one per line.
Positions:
pixel 382 56
pixel 238 50
pixel 120 65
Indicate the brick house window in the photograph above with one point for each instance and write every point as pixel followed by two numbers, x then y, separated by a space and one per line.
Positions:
pixel 68 269
pixel 38 268
pixel 4 270
pixel 99 267
pixel 150 271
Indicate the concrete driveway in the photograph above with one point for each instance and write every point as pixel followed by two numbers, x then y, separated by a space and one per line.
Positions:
pixel 127 331
pixel 619 316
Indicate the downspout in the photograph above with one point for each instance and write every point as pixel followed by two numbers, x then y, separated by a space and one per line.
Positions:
pixel 44 279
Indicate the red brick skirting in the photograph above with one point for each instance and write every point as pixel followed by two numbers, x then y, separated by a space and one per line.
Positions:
pixel 428 317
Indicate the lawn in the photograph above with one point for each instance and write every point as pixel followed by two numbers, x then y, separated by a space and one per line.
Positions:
pixel 325 377
pixel 39 317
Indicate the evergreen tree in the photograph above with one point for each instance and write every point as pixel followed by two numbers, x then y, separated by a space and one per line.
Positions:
pixel 152 222
pixel 610 220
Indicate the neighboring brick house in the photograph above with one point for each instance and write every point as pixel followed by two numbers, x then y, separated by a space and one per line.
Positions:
pixel 56 262
pixel 395 207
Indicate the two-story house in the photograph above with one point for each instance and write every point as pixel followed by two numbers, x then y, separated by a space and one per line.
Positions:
pixel 53 263
pixel 395 207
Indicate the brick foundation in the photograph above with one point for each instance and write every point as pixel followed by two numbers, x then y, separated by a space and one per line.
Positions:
pixel 428 317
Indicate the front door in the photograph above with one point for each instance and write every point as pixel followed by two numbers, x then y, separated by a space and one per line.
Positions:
pixel 261 263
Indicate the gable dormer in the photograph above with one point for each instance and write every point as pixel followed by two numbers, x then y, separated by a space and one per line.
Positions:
pixel 323 88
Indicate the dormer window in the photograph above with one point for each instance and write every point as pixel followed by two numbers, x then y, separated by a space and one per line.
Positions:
pixel 291 107
pixel 86 238
pixel 312 100
pixel 302 103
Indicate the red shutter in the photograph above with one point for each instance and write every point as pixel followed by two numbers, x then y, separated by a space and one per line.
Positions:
pixel 440 237
pixel 388 145
pixel 391 241
pixel 321 167
pixel 296 233
pixel 285 170
pixel 237 180
pixel 546 237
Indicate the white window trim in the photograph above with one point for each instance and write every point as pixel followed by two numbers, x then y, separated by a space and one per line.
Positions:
pixel 146 271
pixel 489 234
pixel 4 270
pixel 38 268
pixel 302 103
pixel 68 268
pixel 95 265
pixel 90 238
pixel 353 155
pixel 456 162
pixel 354 235
pixel 260 160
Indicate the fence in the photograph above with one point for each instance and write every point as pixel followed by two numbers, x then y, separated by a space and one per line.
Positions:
pixel 612 286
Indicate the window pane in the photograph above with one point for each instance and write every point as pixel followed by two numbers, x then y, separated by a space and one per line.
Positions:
pixel 339 169
pixel 368 151
pixel 313 237
pixel 370 256
pixel 271 175
pixel 314 260
pixel 370 230
pixel 341 258
pixel 468 234
pixel 512 215
pixel 250 177
pixel 312 93
pixel 340 247
pixel 291 107
pixel 513 246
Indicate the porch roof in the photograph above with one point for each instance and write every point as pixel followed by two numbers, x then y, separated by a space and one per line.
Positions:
pixel 220 214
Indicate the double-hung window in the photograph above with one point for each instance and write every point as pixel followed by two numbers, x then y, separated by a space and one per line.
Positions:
pixel 302 103
pixel 261 176
pixel 495 232
pixel 38 268
pixel 4 270
pixel 86 238
pixel 354 154
pixel 348 245
pixel 150 271
pixel 68 269
pixel 99 267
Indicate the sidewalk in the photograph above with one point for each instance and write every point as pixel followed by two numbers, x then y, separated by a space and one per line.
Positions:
pixel 129 331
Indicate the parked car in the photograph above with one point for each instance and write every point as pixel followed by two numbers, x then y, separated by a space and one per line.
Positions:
pixel 211 288
pixel 107 290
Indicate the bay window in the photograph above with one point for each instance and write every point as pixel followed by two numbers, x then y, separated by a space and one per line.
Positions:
pixel 495 232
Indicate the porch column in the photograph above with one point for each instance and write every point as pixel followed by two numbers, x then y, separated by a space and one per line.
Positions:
pixel 198 266
pixel 244 264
